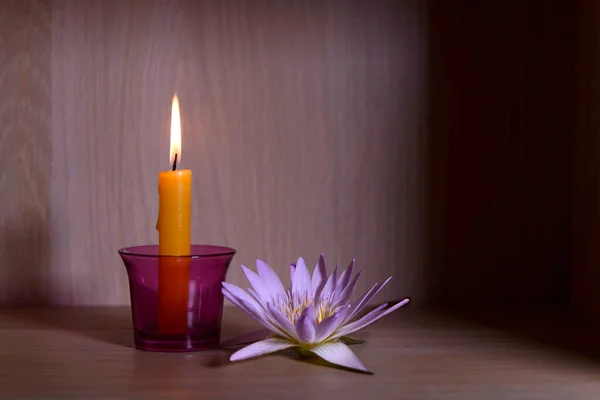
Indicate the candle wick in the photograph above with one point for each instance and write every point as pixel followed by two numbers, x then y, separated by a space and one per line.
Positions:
pixel 175 162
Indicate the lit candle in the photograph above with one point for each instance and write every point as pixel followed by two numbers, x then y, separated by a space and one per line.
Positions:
pixel 174 232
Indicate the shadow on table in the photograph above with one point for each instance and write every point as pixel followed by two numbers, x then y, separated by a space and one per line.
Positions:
pixel 106 324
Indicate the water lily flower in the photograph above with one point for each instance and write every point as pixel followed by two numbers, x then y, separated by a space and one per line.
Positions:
pixel 315 316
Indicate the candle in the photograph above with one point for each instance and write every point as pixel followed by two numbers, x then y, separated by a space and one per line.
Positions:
pixel 174 232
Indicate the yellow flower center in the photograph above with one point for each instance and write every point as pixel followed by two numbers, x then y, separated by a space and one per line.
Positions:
pixel 293 306
pixel 324 311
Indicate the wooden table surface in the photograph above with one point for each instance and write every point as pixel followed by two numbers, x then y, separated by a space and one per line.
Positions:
pixel 88 353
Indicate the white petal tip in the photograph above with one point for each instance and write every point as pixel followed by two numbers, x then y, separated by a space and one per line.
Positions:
pixel 339 354
pixel 261 348
pixel 234 357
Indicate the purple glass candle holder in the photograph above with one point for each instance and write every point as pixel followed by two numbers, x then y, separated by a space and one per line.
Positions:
pixel 198 308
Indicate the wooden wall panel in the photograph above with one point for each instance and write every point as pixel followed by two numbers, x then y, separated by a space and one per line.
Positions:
pixel 25 151
pixel 502 118
pixel 302 123
pixel 585 274
pixel 433 149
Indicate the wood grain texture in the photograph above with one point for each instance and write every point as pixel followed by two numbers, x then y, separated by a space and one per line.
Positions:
pixel 429 141
pixel 87 352
pixel 25 151
pixel 301 122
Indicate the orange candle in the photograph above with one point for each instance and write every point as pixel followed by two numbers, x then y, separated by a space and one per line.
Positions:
pixel 174 233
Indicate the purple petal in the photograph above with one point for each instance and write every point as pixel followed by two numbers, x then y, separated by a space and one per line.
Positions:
pixel 339 354
pixel 241 299
pixel 329 288
pixel 344 278
pixel 257 284
pixel 264 308
pixel 283 322
pixel 305 325
pixel 347 293
pixel 256 297
pixel 248 309
pixel 367 297
pixel 261 348
pixel 242 295
pixel 270 279
pixel 246 338
pixel 362 300
pixel 292 272
pixel 368 319
pixel 301 286
pixel 266 314
pixel 256 315
pixel 370 314
pixel 319 277
pixel 326 327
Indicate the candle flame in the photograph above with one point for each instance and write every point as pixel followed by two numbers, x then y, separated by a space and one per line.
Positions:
pixel 175 131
